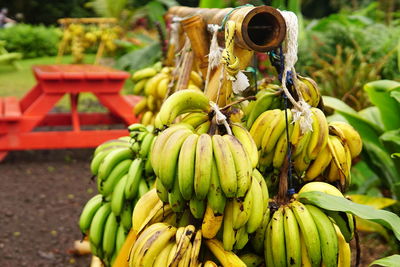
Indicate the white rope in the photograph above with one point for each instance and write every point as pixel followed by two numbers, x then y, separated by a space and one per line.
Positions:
pixel 214 55
pixel 220 118
pixel 300 108
pixel 174 34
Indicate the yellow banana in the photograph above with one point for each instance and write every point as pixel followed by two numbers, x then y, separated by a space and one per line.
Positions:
pixel 186 166
pixel 212 222
pixel 203 166
pixel 225 165
pixel 226 258
pixel 256 214
pixel 270 138
pixel 161 259
pixel 144 73
pixel 348 135
pixel 309 232
pixel 151 86
pixel 292 238
pixel 162 87
pixel 263 124
pixel 242 164
pixel 319 136
pixel 247 141
pixel 228 236
pixel 319 165
pixel 344 258
pixel 143 208
pixel 278 238
pixel 195 249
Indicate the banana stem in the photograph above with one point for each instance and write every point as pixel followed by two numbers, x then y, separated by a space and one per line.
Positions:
pixel 238 101
pixel 358 247
pixel 283 182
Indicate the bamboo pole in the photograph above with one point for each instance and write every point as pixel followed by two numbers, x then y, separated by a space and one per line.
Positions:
pixel 259 28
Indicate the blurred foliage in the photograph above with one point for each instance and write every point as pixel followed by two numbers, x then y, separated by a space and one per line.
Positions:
pixel 345 50
pixel 32 41
pixel 378 173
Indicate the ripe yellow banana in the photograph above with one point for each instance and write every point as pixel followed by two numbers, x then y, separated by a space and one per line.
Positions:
pixel 292 238
pixel 211 223
pixel 226 258
pixel 319 165
pixel 186 166
pixel 256 214
pixel 242 164
pixel 247 141
pixel 344 258
pixel 263 124
pixel 270 138
pixel 195 249
pixel 319 135
pixel 309 232
pixel 348 135
pixel 278 238
pixel 203 166
pixel 228 236
pixel 225 166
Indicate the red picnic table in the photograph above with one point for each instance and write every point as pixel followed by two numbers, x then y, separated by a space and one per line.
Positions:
pixel 20 120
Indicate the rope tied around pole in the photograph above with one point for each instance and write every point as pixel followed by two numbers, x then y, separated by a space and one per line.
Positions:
pixel 220 118
pixel 231 62
pixel 301 110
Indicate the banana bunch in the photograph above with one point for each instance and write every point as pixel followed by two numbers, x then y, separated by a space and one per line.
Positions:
pixel 124 175
pixel 270 135
pixel 107 232
pixel 154 84
pixel 334 162
pixel 305 235
pixel 309 90
pixel 325 153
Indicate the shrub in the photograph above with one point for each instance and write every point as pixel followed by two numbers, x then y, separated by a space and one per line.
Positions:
pixel 32 41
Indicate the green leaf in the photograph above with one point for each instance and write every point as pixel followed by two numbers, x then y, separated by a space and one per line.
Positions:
pixel 379 95
pixel 371 227
pixel 140 58
pixel 391 136
pixel 376 202
pixel 380 159
pixel 387 261
pixel 373 115
pixel 212 4
pixel 364 179
pixel 395 95
pixel 330 202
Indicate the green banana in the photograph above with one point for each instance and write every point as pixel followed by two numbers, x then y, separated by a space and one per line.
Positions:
pixel 111 160
pixel 88 211
pixel 120 238
pixel 109 235
pixel 228 234
pixel 168 170
pixel 134 176
pixel 257 241
pixel 126 215
pixel 118 196
pixel 107 186
pixel 145 145
pixel 215 197
pixel 241 238
pixel 98 224
pixel 197 207
pixel 161 191
pixel 176 199
pixel 143 188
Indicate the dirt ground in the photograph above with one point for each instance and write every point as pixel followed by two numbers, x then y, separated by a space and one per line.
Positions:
pixel 41 196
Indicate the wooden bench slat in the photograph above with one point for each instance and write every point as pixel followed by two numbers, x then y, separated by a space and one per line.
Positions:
pixel 11 107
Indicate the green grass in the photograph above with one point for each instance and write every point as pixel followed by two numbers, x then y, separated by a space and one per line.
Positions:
pixel 18 82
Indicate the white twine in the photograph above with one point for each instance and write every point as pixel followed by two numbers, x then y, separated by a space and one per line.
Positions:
pixel 300 108
pixel 174 34
pixel 240 83
pixel 220 118
pixel 214 55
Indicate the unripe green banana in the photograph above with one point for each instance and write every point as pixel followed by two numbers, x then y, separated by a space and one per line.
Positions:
pixel 203 166
pixel 197 207
pixel 118 196
pixel 126 216
pixel 111 160
pixel 110 234
pixel 88 211
pixel 186 166
pixel 98 224
pixel 134 176
pixel 107 186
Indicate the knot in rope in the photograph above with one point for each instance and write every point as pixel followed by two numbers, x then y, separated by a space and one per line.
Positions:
pixel 220 118
pixel 228 58
pixel 214 55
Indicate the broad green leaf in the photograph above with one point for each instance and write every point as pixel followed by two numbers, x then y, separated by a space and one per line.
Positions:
pixel 140 58
pixel 169 3
pixel 212 3
pixel 371 227
pixel 387 261
pixel 156 11
pixel 395 94
pixel 364 180
pixel 367 130
pixel 373 115
pixel 381 160
pixel 379 95
pixel 391 136
pixel 376 202
pixel 330 202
